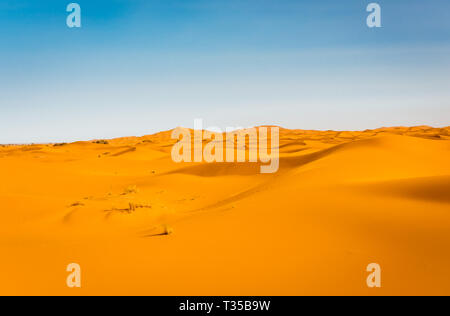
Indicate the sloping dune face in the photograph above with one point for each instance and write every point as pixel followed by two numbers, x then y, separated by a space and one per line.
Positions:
pixel 138 223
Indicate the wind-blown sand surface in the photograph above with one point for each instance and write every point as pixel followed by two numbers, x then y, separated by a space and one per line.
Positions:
pixel 138 223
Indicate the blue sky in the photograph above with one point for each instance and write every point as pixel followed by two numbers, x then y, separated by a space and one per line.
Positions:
pixel 138 67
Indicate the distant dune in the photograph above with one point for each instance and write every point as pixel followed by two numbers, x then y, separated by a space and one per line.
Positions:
pixel 138 223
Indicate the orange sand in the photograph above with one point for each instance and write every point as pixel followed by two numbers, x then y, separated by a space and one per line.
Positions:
pixel 340 201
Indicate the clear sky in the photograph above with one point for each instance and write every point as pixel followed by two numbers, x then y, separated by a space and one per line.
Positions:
pixel 138 67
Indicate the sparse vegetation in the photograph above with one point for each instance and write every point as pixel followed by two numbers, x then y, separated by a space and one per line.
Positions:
pixel 77 204
pixel 101 142
pixel 167 230
pixel 130 190
pixel 132 207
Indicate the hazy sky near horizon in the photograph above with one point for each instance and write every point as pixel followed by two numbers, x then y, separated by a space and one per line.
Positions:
pixel 137 67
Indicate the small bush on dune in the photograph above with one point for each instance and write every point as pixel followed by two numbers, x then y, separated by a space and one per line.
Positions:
pixel 167 230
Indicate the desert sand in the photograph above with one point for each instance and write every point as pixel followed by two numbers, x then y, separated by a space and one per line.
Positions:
pixel 139 224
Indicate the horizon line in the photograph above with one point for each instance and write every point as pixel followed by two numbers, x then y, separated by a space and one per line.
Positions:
pixel 237 129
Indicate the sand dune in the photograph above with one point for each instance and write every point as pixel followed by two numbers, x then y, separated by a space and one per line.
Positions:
pixel 138 223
